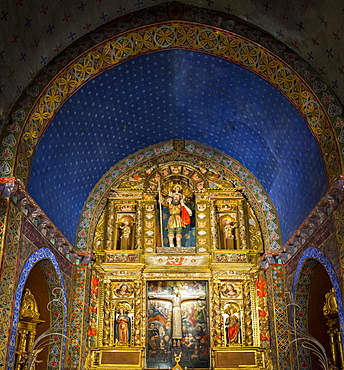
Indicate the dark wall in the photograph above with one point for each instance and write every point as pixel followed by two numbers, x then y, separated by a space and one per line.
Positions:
pixel 320 285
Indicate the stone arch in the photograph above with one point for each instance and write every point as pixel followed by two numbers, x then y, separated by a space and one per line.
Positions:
pixel 301 289
pixel 197 153
pixel 120 40
pixel 53 276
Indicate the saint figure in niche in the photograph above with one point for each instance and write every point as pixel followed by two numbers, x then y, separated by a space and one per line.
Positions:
pixel 232 325
pixel 228 226
pixel 122 326
pixel 179 215
pixel 125 238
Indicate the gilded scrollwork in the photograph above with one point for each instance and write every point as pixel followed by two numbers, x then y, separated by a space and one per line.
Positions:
pixel 107 313
pixel 256 241
pixel 98 240
pixel 138 236
pixel 242 225
pixel 218 335
pixel 213 226
pixel 138 314
pixel 109 243
pixel 330 305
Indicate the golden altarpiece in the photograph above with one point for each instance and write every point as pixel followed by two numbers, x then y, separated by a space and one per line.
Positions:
pixel 177 276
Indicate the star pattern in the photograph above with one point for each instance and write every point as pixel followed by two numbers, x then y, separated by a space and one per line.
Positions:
pixel 317 35
pixel 177 94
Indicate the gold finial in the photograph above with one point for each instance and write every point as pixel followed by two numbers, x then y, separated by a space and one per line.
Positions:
pixel 177 358
pixel 29 308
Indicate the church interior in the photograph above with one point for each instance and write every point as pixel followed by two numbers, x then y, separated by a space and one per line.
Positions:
pixel 171 184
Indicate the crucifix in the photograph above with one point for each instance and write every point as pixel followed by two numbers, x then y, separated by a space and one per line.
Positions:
pixel 176 298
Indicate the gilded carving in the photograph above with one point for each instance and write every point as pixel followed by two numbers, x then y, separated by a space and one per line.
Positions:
pixel 248 332
pixel 107 313
pixel 29 308
pixel 256 242
pixel 330 305
pixel 242 225
pixel 138 334
pixel 218 335
pixel 123 290
pixel 330 309
pixel 197 244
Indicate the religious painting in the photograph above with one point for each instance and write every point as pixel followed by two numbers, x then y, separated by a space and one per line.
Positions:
pixel 230 290
pixel 177 322
pixel 123 290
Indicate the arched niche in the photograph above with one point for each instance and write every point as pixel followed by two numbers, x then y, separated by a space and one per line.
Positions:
pixel 314 279
pixel 42 275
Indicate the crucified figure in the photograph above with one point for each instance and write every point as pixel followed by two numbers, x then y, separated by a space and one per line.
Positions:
pixel 176 298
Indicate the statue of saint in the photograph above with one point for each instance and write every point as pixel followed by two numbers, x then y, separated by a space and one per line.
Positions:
pixel 232 327
pixel 122 327
pixel 228 227
pixel 125 234
pixel 179 217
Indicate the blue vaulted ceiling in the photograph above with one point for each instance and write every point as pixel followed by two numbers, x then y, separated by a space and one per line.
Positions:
pixel 177 94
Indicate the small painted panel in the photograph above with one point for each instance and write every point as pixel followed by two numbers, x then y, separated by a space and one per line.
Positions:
pixel 230 257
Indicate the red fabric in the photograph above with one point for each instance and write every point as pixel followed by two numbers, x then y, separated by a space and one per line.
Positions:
pixel 231 333
pixel 185 217
pixel 159 318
